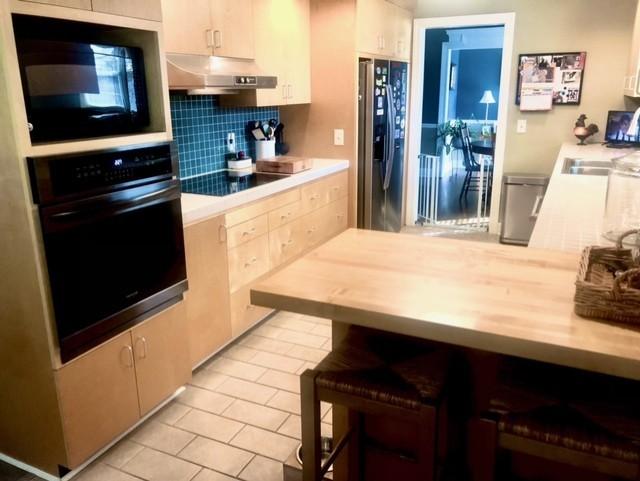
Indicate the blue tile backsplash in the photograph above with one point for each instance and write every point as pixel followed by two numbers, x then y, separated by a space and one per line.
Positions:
pixel 200 128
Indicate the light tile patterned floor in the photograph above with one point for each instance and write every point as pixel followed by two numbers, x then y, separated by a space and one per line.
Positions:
pixel 238 419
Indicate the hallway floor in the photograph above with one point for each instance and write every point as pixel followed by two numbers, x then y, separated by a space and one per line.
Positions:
pixel 239 418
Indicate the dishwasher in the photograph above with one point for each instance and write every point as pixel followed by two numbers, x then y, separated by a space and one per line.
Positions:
pixel 522 196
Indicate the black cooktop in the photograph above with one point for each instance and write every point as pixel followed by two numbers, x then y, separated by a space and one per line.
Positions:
pixel 226 182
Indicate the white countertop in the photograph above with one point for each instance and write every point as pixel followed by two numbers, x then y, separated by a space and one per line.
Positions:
pixel 198 207
pixel 573 208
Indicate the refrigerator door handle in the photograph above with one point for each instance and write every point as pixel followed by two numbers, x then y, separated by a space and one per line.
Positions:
pixel 369 155
pixel 389 139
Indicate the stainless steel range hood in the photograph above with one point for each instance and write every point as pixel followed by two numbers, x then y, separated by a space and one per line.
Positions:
pixel 202 75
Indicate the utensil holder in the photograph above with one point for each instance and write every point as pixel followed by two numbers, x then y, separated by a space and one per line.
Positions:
pixel 265 149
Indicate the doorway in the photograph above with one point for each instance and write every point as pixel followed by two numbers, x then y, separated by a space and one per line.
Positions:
pixel 457 120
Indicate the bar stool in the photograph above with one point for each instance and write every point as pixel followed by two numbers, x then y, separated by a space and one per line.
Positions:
pixel 378 374
pixel 576 418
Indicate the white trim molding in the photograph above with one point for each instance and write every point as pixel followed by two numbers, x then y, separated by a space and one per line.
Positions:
pixel 416 97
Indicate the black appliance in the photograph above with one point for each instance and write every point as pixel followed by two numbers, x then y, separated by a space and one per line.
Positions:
pixel 226 182
pixel 382 113
pixel 113 238
pixel 75 88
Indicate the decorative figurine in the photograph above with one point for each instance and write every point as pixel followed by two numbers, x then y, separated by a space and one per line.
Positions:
pixel 582 131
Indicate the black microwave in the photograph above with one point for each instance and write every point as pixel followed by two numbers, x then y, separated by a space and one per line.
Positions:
pixel 76 90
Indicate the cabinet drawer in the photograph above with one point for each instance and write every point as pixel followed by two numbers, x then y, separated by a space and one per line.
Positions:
pixel 337 186
pixel 244 314
pixel 284 215
pixel 246 231
pixel 337 216
pixel 263 206
pixel 313 196
pixel 248 262
pixel 286 242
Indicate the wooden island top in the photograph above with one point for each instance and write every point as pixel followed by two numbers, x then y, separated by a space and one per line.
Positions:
pixel 503 299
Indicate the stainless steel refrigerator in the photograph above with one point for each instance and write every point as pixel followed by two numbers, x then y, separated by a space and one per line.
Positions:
pixel 382 109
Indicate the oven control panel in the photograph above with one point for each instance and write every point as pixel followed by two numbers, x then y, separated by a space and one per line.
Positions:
pixel 57 177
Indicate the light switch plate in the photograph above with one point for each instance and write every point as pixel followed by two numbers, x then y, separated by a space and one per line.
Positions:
pixel 522 126
pixel 338 137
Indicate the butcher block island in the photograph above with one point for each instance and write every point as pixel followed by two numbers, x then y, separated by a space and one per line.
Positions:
pixel 495 298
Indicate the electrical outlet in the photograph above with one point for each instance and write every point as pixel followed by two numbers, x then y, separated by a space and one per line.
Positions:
pixel 231 142
pixel 338 137
pixel 522 126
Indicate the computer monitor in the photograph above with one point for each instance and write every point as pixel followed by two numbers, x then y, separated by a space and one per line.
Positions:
pixel 618 122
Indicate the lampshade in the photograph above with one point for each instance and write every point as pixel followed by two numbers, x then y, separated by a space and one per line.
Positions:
pixel 487 98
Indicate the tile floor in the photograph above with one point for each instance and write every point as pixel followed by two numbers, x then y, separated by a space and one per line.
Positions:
pixel 239 418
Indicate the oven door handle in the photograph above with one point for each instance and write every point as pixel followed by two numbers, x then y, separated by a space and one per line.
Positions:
pixel 129 202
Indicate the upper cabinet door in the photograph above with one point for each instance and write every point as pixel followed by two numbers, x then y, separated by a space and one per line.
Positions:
pixel 187 28
pixel 147 9
pixel 82 4
pixel 370 24
pixel 404 27
pixel 161 356
pixel 298 53
pixel 232 28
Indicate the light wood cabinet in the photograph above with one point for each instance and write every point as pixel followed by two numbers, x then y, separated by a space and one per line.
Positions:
pixel 146 9
pixel 98 398
pixel 248 262
pixel 384 29
pixel 282 31
pixel 286 242
pixel 161 356
pixel 81 4
pixel 284 215
pixel 230 35
pixel 106 391
pixel 246 231
pixel 209 27
pixel 207 300
pixel 244 315
pixel 185 29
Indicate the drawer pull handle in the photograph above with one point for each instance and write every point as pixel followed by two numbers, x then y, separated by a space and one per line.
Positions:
pixel 129 354
pixel 315 196
pixel 285 216
pixel 335 187
pixel 144 347
pixel 288 243
pixel 250 262
pixel 311 231
pixel 339 216
pixel 250 307
pixel 248 232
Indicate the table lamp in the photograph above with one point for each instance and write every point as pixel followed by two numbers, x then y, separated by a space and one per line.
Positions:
pixel 487 98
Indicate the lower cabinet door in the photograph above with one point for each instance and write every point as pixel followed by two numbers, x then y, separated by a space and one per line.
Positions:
pixel 286 242
pixel 161 356
pixel 208 323
pixel 98 398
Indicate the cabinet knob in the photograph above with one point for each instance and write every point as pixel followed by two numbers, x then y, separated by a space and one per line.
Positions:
pixel 249 232
pixel 288 243
pixel 251 261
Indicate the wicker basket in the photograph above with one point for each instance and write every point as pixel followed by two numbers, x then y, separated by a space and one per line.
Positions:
pixel 608 284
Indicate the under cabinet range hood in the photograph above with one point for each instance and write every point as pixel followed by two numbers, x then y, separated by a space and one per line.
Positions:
pixel 202 75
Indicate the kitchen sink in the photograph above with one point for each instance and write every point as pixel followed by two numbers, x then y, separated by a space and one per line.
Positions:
pixel 586 167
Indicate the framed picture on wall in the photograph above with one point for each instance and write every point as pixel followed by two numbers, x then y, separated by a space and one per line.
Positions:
pixel 560 74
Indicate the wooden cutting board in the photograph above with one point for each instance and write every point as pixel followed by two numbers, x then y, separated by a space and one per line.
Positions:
pixel 284 164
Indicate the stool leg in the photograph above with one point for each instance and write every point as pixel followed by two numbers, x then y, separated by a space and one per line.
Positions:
pixel 427 448
pixel 355 451
pixel 310 413
pixel 482 449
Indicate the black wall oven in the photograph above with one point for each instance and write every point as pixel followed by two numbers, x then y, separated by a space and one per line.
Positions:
pixel 113 238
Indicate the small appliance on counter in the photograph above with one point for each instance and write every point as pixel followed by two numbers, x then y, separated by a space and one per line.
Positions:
pixel 622 208
pixel 239 161
pixel 113 239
